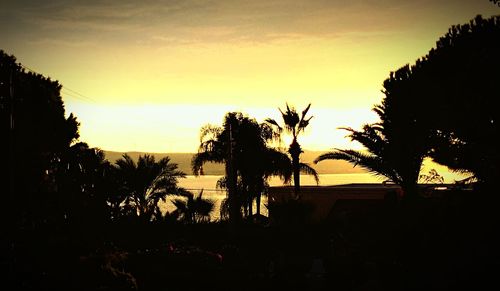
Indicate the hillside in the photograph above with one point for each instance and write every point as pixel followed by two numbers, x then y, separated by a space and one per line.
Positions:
pixel 184 162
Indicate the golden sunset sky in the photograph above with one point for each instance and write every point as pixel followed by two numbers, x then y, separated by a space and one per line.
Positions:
pixel 146 75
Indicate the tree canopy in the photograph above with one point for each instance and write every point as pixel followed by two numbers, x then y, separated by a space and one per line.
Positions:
pixel 451 95
pixel 34 129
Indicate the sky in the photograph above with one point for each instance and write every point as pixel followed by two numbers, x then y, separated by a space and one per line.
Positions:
pixel 147 75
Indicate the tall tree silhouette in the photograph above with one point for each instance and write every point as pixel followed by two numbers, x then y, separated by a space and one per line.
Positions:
pixel 35 131
pixel 294 125
pixel 147 182
pixel 443 106
pixel 241 144
pixel 217 145
pixel 461 79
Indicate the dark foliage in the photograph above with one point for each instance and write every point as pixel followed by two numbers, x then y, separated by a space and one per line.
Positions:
pixel 290 213
pixel 443 107
pixel 35 132
pixel 193 209
pixel 449 99
pixel 145 183
pixel 461 77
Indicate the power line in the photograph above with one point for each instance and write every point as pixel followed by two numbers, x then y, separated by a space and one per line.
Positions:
pixel 65 91
pixel 83 97
pixel 72 93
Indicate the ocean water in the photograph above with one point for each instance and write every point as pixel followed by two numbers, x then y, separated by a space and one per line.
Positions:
pixel 208 183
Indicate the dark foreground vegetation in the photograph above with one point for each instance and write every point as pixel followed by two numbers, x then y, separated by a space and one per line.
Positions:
pixel 451 244
pixel 73 221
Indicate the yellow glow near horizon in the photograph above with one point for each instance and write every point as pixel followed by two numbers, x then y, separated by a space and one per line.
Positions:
pixel 255 79
pixel 167 134
pixel 156 72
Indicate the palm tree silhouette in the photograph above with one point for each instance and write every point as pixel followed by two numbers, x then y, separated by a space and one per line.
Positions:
pixel 147 182
pixel 395 149
pixel 193 209
pixel 272 163
pixel 241 144
pixel 294 125
pixel 217 146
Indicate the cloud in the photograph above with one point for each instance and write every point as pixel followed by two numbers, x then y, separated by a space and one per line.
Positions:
pixel 181 22
pixel 195 20
pixel 73 43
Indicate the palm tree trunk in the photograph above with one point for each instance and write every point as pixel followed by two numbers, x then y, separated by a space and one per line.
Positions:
pixel 234 205
pixel 251 194
pixel 295 151
pixel 231 174
pixel 296 177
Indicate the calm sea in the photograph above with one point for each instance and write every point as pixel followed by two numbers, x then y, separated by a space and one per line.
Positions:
pixel 208 184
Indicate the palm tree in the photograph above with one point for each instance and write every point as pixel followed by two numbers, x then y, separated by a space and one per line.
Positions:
pixel 272 162
pixel 147 182
pixel 294 125
pixel 241 144
pixel 193 210
pixel 217 146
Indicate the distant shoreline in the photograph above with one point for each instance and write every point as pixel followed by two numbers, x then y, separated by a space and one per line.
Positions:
pixel 183 160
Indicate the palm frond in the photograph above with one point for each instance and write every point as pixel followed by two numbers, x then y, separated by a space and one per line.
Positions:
pixel 306 169
pixel 290 118
pixel 209 132
pixel 204 157
pixel 273 122
pixel 180 205
pixel 221 183
pixel 278 164
pixel 304 112
pixel 372 163
pixel 224 209
pixel 371 138
pixel 203 207
pixel 380 110
pixel 125 162
pixel 304 123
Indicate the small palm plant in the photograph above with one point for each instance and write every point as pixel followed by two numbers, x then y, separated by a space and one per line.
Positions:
pixel 147 182
pixel 193 209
